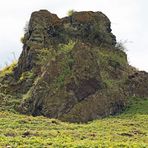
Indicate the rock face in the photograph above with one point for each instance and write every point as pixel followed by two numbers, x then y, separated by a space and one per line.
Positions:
pixel 35 39
pixel 46 30
pixel 71 69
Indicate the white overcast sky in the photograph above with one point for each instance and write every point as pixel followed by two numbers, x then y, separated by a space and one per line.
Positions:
pixel 129 22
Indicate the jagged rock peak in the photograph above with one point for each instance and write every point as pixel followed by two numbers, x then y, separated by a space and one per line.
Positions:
pixel 46 30
pixel 42 20
pixel 86 25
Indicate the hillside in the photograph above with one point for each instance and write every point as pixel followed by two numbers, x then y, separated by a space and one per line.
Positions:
pixel 71 69
pixel 130 129
pixel 72 87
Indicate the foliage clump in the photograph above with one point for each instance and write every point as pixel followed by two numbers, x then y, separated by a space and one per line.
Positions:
pixel 70 12
pixel 44 55
pixel 8 102
pixel 65 48
pixel 8 69
pixel 65 63
pixel 26 75
pixel 121 45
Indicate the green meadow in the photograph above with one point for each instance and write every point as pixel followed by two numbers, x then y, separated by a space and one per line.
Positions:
pixel 127 130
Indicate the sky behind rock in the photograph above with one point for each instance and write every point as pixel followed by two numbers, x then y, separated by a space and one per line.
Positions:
pixel 129 23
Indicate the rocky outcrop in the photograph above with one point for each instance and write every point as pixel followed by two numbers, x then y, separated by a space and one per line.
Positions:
pixel 137 84
pixel 46 30
pixel 70 81
pixel 72 89
pixel 35 39
pixel 71 69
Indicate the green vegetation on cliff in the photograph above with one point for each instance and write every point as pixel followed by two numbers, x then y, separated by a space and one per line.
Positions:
pixel 8 69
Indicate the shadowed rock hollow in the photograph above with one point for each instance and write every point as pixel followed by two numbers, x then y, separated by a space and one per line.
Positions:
pixel 72 69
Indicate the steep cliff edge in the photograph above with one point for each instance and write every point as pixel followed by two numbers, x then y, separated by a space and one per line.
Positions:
pixel 71 69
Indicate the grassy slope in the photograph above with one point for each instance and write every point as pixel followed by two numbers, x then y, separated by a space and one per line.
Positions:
pixel 129 129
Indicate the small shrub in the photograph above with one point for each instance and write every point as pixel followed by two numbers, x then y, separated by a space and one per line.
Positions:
pixel 70 12
pixel 22 40
pixel 121 45
pixel 8 69
pixel 66 72
pixel 65 48
pixel 8 102
pixel 44 55
pixel 26 75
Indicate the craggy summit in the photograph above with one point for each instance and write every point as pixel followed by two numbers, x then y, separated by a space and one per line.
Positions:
pixel 71 69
